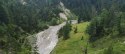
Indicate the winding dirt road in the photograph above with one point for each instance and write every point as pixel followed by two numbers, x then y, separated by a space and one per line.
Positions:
pixel 47 40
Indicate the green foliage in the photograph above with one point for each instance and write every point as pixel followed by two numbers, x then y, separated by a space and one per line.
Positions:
pixel 17 20
pixel 107 23
pixel 73 45
pixel 54 22
pixel 115 48
pixel 75 31
pixel 81 8
pixel 65 31
pixel 109 50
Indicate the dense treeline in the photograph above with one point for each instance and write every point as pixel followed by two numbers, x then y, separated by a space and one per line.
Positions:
pixel 107 23
pixel 65 31
pixel 87 9
pixel 82 8
pixel 110 21
pixel 18 18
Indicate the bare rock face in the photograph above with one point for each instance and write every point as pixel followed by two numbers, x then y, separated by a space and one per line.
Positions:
pixel 63 16
pixel 66 12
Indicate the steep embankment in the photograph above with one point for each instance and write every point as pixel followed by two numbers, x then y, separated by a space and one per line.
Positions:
pixel 47 40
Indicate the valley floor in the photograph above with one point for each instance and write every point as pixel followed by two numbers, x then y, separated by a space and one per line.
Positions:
pixel 77 43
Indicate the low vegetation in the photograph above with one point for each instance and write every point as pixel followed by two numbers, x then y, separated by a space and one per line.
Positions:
pixel 77 42
pixel 65 31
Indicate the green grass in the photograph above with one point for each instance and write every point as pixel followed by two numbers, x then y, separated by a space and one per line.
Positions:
pixel 74 45
pixel 104 43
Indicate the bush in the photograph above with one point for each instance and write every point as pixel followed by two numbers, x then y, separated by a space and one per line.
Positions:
pixel 65 31
pixel 75 31
pixel 109 50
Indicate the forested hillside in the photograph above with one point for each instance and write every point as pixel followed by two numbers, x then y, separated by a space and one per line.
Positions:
pixel 19 18
pixel 87 9
pixel 101 28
